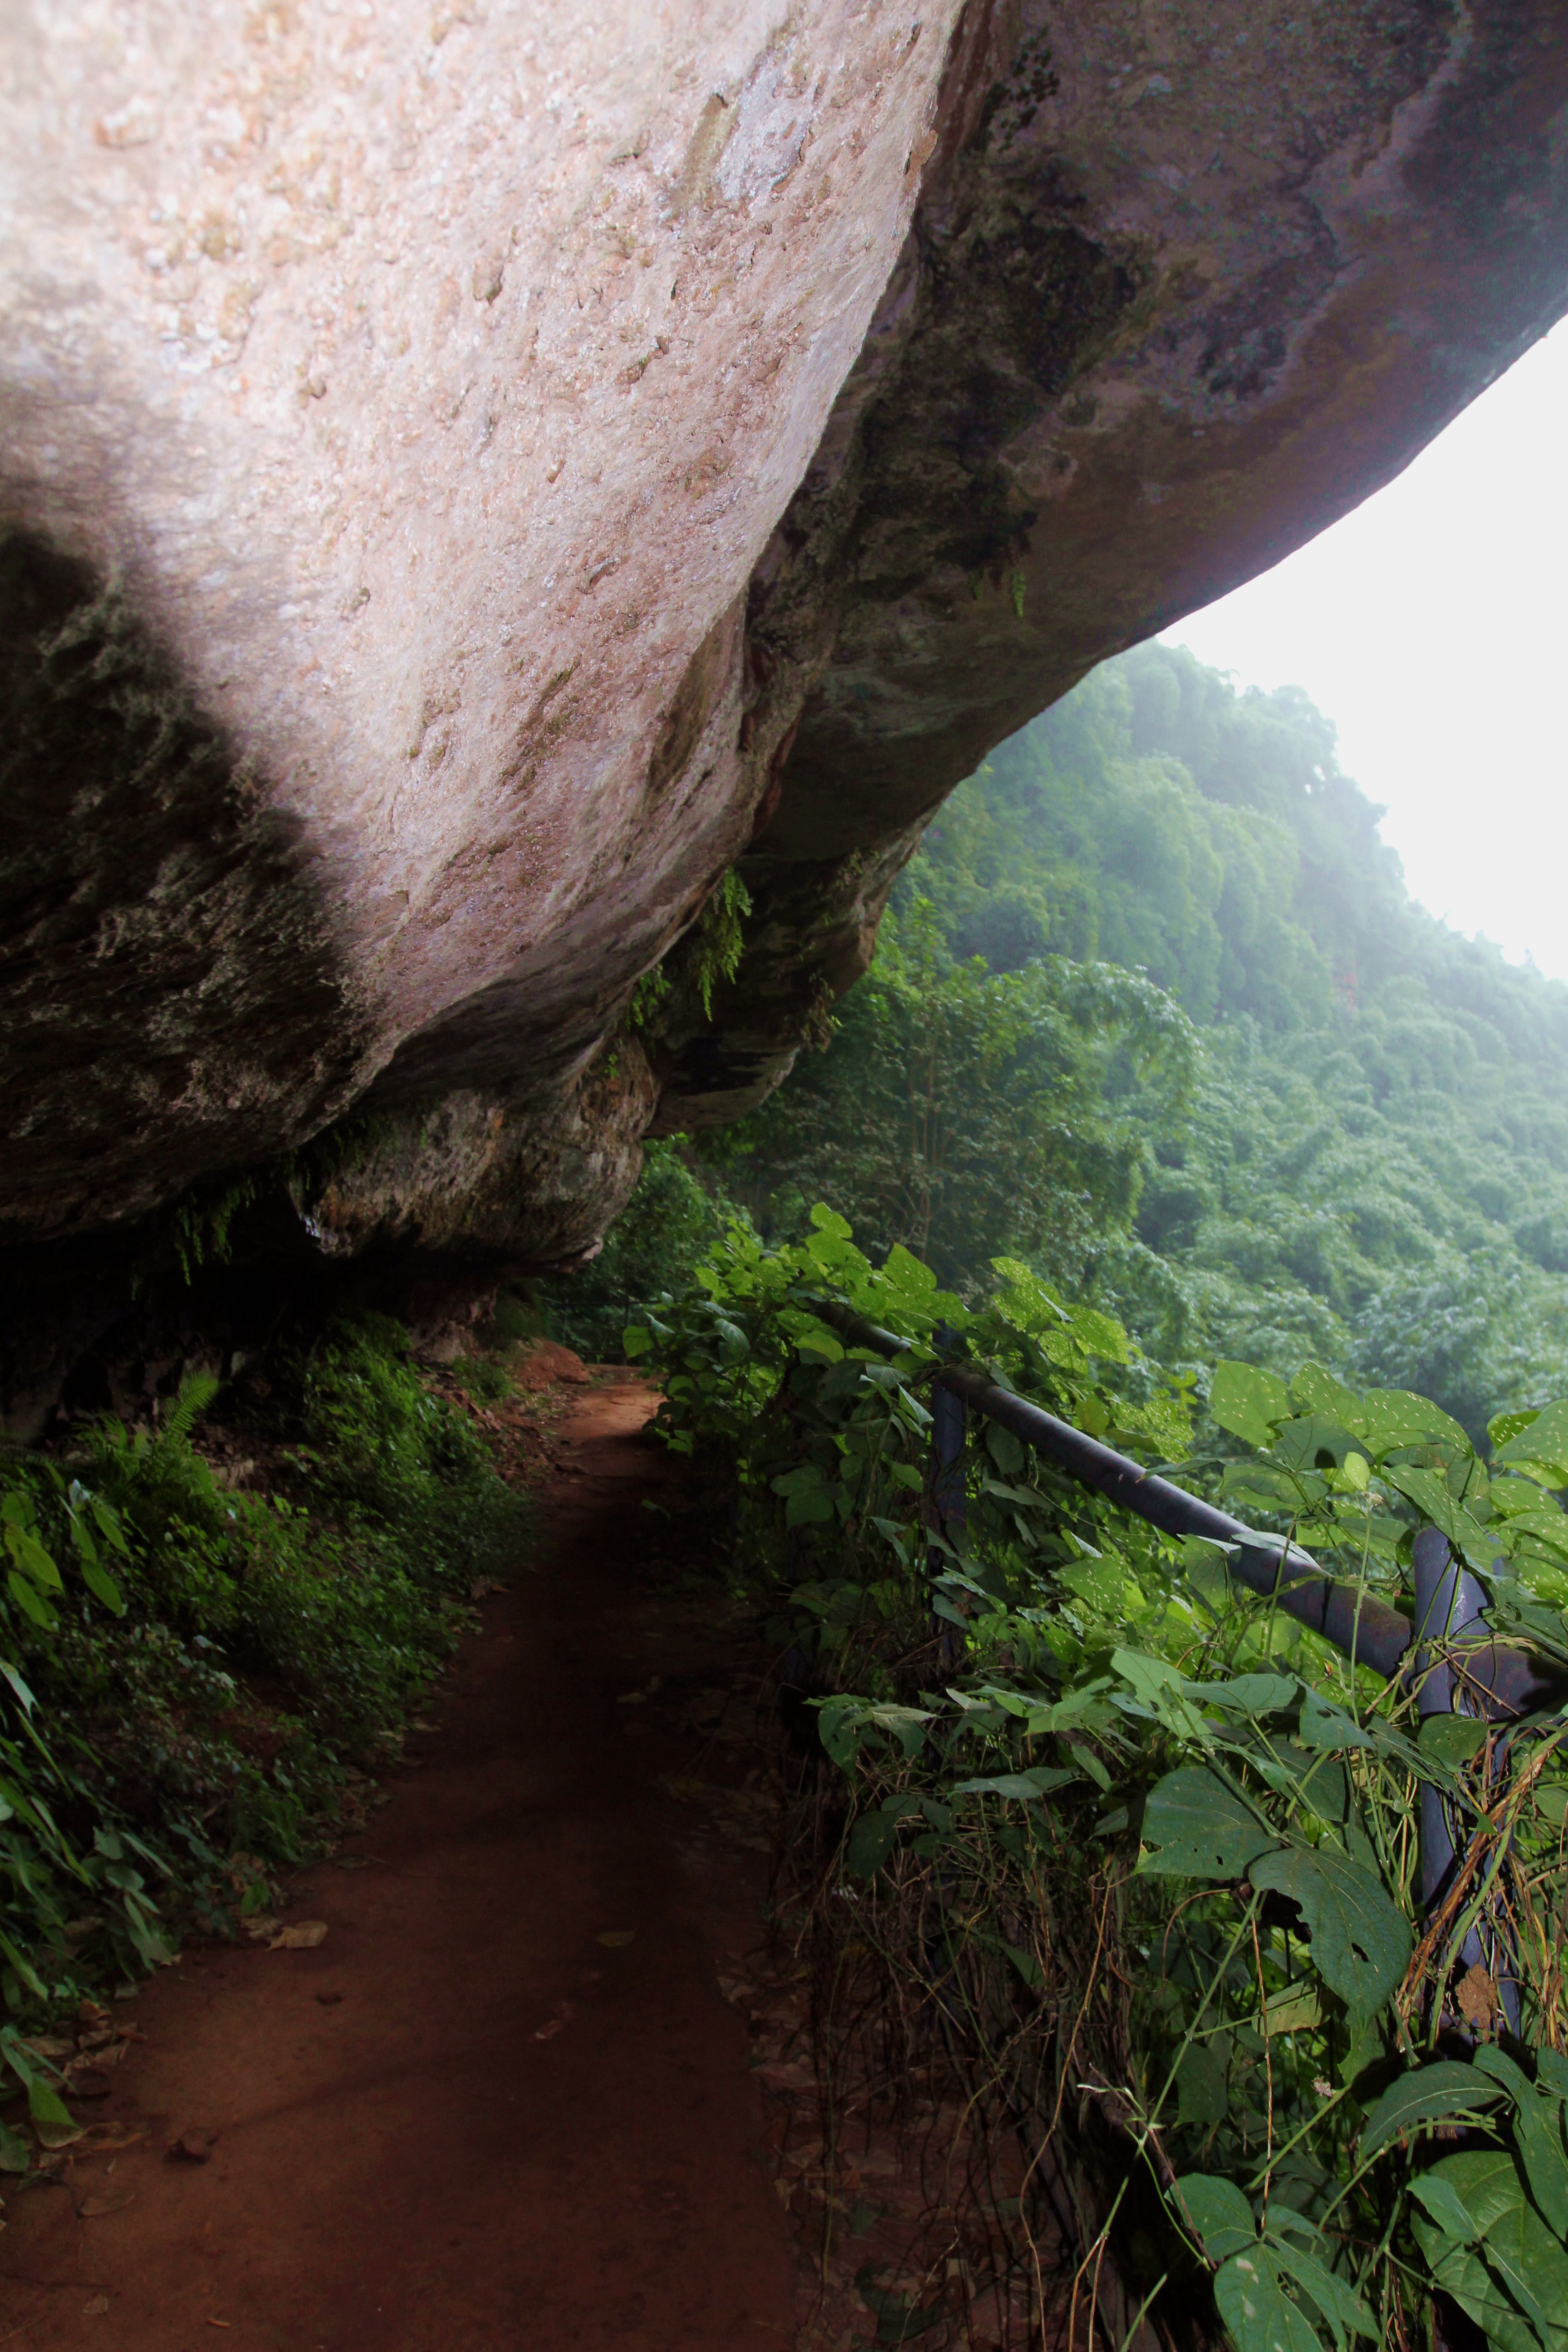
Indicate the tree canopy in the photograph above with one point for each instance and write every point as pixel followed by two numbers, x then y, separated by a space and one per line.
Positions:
pixel 1155 1009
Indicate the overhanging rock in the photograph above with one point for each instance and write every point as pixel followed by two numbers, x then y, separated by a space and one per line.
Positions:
pixel 471 474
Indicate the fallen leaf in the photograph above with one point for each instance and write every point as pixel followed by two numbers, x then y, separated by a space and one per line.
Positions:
pixel 87 2083
pixel 260 1925
pixel 93 2310
pixel 483 1584
pixel 616 1937
pixel 55 2135
pixel 219 2323
pixel 328 2000
pixel 108 2139
pixel 1477 1996
pixel 92 2208
pixel 545 2032
pixel 300 1936
pixel 193 2147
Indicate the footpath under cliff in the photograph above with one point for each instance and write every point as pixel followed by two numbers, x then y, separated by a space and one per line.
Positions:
pixel 502 2100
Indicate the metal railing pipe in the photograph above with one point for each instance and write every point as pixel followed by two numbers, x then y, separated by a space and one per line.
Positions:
pixel 1355 1621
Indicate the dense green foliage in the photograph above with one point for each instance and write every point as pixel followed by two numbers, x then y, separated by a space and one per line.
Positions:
pixel 195 1673
pixel 671 1223
pixel 1124 1856
pixel 1128 1857
pixel 1363 1153
pixel 967 1114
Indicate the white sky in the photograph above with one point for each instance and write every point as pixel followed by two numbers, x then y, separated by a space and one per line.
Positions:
pixel 1432 627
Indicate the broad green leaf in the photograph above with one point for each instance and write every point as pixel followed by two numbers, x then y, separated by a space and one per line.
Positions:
pixel 1344 2309
pixel 1430 1495
pixel 1027 1788
pixel 1301 1440
pixel 1005 1450
pixel 16 2156
pixel 1504 1425
pixel 1296 2009
pixel 1516 2246
pixel 1361 1944
pixel 1461 2271
pixel 907 1724
pixel 1199 1828
pixel 1453 1739
pixel 1266 1485
pixel 33 1560
pixel 109 1526
pixel 1446 2206
pixel 1218 2212
pixel 1424 2095
pixel 808 1499
pixel 1499 2067
pixel 1162 1688
pixel 1544 1439
pixel 1246 1401
pixel 636 1342
pixel 30 1600
pixel 1028 1965
pixel 872 1841
pixel 1393 1418
pixel 1538 2133
pixel 23 1695
pixel 1101 1335
pixel 904 1272
pixel 1328 1726
pixel 1203 2098
pixel 47 2106
pixel 1246 1694
pixel 1255 2309
pixel 1538 2129
pixel 1313 1390
pixel 102 1587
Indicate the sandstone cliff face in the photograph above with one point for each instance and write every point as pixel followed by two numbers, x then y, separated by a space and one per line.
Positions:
pixel 474 471
pixel 396 402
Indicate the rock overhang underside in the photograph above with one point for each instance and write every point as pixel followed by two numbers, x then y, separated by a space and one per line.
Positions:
pixel 473 477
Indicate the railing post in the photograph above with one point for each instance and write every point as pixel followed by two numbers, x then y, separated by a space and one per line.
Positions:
pixel 1449 1602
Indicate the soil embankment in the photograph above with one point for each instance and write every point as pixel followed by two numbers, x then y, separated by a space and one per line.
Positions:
pixel 502 2101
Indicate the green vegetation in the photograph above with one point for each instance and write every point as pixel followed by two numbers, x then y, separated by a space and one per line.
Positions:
pixel 709 952
pixel 671 1223
pixel 1359 1149
pixel 1124 1861
pixel 198 1677
pixel 1087 1835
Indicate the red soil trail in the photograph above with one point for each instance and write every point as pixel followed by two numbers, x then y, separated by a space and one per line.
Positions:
pixel 464 2121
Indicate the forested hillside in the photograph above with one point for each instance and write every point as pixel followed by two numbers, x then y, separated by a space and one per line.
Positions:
pixel 1154 1010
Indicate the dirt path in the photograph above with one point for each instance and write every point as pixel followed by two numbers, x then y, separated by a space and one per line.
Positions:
pixel 467 2120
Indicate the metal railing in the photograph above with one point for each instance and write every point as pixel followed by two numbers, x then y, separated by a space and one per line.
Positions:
pixel 1444 1648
